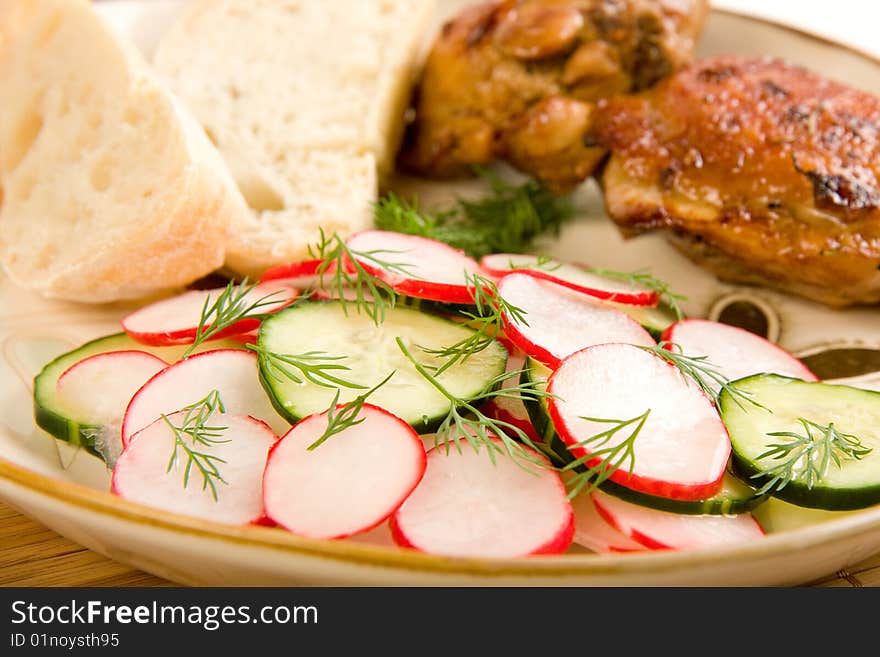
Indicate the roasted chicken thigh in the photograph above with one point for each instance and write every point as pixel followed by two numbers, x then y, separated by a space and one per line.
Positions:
pixel 520 79
pixel 760 170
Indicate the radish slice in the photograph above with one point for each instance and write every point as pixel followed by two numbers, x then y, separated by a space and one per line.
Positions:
pixel 303 276
pixel 510 409
pixel 433 270
pixel 561 321
pixel 175 320
pixel 733 351
pixel 682 449
pixel 348 484
pixel 296 274
pixel 593 532
pixel 98 389
pixel 142 473
pixel 233 373
pixel 572 276
pixel 663 530
pixel 466 506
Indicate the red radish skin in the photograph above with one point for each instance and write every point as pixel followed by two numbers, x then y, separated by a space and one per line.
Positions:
pixel 561 322
pixel 97 390
pixel 232 372
pixel 141 473
pixel 436 270
pixel 733 351
pixel 593 532
pixel 466 506
pixel 570 275
pixel 350 483
pixel 508 409
pixel 293 273
pixel 175 320
pixel 682 450
pixel 662 530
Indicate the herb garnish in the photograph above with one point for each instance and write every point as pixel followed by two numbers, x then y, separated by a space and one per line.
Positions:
pixel 808 455
pixel 344 270
pixel 491 318
pixel 348 415
pixel 314 366
pixel 229 308
pixel 612 458
pixel 644 278
pixel 195 433
pixel 466 420
pixel 706 375
pixel 506 221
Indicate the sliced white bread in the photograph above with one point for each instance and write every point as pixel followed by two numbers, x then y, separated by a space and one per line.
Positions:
pixel 110 189
pixel 305 99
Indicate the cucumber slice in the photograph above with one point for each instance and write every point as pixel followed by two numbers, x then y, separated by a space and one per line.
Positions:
pixel 778 516
pixel 654 319
pixel 734 497
pixel 371 353
pixel 854 484
pixel 68 424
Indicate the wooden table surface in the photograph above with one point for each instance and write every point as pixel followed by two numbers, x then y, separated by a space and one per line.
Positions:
pixel 32 555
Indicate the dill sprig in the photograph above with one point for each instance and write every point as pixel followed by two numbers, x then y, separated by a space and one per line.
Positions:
pixel 807 456
pixel 340 418
pixel 465 419
pixel 194 433
pixel 646 279
pixel 699 370
pixel 611 457
pixel 491 317
pixel 507 220
pixel 313 366
pixel 230 307
pixel 342 269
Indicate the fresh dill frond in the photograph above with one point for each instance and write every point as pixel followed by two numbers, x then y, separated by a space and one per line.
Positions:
pixel 507 220
pixel 313 366
pixel 807 456
pixel 230 307
pixel 704 374
pixel 343 269
pixel 491 317
pixel 193 436
pixel 466 421
pixel 348 415
pixel 644 278
pixel 611 458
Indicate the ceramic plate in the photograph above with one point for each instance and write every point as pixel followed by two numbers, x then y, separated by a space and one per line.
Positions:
pixel 67 490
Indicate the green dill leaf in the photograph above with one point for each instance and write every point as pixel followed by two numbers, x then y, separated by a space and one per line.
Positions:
pixel 507 220
pixel 316 367
pixel 193 436
pixel 807 456
pixel 611 457
pixel 348 415
pixel 229 308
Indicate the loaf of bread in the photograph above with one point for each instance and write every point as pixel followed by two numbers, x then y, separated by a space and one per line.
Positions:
pixel 305 99
pixel 110 189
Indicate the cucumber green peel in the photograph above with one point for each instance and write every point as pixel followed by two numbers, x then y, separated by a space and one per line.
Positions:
pixel 817 445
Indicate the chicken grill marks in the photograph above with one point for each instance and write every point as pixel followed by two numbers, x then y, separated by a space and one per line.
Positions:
pixel 761 171
pixel 519 79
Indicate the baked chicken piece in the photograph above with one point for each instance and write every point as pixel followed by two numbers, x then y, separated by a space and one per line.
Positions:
pixel 761 171
pixel 519 79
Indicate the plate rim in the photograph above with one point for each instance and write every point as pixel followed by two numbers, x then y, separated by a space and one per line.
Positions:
pixel 107 505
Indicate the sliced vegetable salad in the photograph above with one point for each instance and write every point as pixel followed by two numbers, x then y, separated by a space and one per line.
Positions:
pixel 503 407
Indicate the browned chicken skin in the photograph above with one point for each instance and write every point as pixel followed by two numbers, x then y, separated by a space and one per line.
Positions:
pixel 760 170
pixel 519 79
